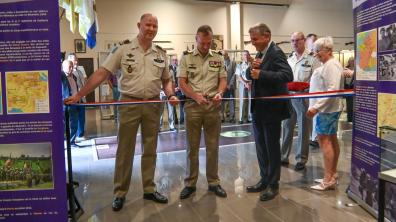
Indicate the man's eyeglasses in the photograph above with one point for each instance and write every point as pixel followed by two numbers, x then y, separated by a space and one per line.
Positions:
pixel 296 40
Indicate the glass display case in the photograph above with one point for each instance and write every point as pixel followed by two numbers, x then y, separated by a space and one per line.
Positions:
pixel 388 148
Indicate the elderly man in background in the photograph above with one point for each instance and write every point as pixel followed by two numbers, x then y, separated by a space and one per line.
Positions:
pixel 303 64
pixel 230 92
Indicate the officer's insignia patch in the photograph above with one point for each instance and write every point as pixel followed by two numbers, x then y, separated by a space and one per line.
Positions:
pixel 129 69
pixel 214 64
pixel 191 66
pixel 306 64
pixel 130 60
pixel 159 60
pixel 130 55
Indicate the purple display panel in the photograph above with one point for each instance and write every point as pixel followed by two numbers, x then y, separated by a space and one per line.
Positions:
pixel 32 164
pixel 375 100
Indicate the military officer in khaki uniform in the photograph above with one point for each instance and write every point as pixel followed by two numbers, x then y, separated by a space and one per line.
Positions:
pixel 144 69
pixel 303 64
pixel 202 78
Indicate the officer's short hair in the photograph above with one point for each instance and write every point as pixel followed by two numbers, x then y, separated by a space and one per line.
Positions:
pixel 260 28
pixel 205 29
pixel 300 34
pixel 324 43
pixel 312 34
pixel 146 15
pixel 72 54
pixel 246 51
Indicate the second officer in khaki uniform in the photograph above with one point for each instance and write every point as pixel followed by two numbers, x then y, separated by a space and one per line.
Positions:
pixel 143 70
pixel 202 78
pixel 303 64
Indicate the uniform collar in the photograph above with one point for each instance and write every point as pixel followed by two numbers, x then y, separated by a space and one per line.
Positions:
pixel 196 52
pixel 135 44
pixel 304 55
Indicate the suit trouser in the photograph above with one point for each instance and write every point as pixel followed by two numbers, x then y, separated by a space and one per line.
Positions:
pixel 196 117
pixel 73 122
pixel 231 105
pixel 244 104
pixel 267 137
pixel 130 117
pixel 171 113
pixel 300 107
pixel 81 121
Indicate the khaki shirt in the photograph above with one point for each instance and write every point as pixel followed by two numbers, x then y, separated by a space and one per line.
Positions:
pixel 141 72
pixel 303 67
pixel 202 73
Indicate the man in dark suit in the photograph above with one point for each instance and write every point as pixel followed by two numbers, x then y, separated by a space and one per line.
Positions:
pixel 69 88
pixel 270 74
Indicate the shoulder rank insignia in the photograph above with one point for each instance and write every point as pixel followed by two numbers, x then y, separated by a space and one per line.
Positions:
pixel 187 52
pixel 217 52
pixel 160 48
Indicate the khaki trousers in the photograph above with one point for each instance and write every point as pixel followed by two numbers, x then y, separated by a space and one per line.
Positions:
pixel 208 117
pixel 130 117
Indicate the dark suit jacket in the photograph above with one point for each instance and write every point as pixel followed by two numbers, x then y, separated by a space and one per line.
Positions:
pixel 274 75
pixel 66 90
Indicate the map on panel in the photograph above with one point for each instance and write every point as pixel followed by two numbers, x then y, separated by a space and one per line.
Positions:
pixel 366 55
pixel 386 110
pixel 27 92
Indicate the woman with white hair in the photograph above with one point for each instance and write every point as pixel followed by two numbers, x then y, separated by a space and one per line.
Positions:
pixel 328 77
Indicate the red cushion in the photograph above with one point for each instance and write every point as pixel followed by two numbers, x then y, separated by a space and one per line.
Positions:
pixel 297 86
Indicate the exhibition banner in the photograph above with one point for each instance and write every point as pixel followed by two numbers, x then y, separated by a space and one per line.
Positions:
pixel 375 102
pixel 32 161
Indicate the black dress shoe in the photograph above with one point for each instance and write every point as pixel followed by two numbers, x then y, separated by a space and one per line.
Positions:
pixel 218 190
pixel 186 192
pixel 118 203
pixel 299 166
pixel 240 122
pixel 269 194
pixel 314 144
pixel 285 163
pixel 260 186
pixel 156 197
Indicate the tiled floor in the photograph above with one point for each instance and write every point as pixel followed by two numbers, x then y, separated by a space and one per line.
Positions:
pixel 237 169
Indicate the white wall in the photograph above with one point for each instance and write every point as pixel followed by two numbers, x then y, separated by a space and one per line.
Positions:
pixel 179 19
pixel 322 17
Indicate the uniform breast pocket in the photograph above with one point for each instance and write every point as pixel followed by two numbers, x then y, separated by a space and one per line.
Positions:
pixel 158 68
pixel 213 73
pixel 306 73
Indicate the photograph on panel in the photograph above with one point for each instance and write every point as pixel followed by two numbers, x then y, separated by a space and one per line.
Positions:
pixel 366 55
pixel 26 166
pixel 387 37
pixel 364 185
pixel 387 67
pixel 27 92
